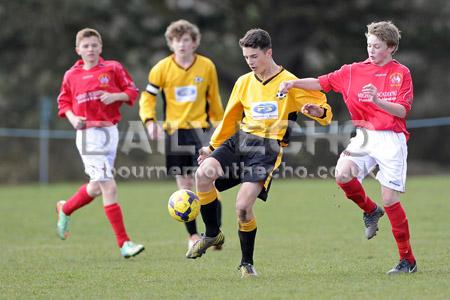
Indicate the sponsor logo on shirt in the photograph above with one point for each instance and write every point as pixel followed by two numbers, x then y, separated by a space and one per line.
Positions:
pixel 88 96
pixel 395 79
pixel 104 80
pixel 265 110
pixel 186 93
pixel 198 79
pixel 387 96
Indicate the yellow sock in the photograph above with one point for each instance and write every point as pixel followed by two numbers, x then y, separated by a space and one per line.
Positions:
pixel 248 226
pixel 207 197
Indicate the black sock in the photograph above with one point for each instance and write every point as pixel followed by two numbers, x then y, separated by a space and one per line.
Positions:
pixel 219 213
pixel 209 215
pixel 247 240
pixel 191 227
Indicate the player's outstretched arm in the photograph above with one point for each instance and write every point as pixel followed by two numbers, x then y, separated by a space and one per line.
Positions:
pixel 304 83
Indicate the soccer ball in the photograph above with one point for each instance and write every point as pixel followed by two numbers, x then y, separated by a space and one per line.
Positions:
pixel 184 205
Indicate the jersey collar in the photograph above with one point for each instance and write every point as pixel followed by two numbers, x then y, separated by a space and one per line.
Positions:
pixel 268 80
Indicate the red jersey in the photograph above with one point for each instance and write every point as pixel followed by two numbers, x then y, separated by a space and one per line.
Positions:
pixel 81 90
pixel 393 82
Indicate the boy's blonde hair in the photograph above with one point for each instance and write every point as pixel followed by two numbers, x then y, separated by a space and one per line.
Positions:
pixel 385 31
pixel 178 28
pixel 87 32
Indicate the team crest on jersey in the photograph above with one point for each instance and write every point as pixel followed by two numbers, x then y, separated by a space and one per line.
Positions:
pixel 104 79
pixel 396 79
pixel 198 79
pixel 265 110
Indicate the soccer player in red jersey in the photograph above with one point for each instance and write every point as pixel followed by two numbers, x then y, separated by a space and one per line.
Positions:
pixel 92 91
pixel 378 93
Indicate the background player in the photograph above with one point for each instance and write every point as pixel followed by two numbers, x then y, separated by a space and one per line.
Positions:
pixel 92 91
pixel 190 92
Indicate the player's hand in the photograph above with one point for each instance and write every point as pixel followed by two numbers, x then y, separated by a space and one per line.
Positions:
pixel 203 153
pixel 371 92
pixel 108 98
pixel 154 130
pixel 77 122
pixel 285 86
pixel 313 110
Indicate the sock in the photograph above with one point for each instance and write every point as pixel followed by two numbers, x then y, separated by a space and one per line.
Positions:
pixel 400 230
pixel 209 215
pixel 78 200
pixel 191 227
pixel 209 211
pixel 355 192
pixel 247 234
pixel 219 213
pixel 114 214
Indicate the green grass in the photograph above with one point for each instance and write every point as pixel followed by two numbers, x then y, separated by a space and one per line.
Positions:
pixel 310 245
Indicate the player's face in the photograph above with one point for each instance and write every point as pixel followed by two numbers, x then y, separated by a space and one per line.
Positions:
pixel 257 59
pixel 379 52
pixel 89 49
pixel 184 46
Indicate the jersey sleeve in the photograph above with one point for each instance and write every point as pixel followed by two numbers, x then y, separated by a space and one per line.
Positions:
pixel 405 93
pixel 303 97
pixel 336 80
pixel 64 98
pixel 231 119
pixel 215 111
pixel 126 84
pixel 147 101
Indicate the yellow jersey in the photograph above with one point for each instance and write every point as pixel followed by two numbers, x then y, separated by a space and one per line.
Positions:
pixel 255 108
pixel 190 96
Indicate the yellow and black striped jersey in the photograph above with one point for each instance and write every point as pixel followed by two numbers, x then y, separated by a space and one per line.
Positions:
pixel 255 108
pixel 191 96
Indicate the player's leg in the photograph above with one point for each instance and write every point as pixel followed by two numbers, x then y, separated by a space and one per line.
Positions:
pixel 247 225
pixel 186 182
pixel 205 176
pixel 113 212
pixel 347 178
pixel 392 176
pixel 350 170
pixel 400 230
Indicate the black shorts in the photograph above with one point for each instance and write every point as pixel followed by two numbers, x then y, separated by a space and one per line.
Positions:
pixel 247 158
pixel 181 150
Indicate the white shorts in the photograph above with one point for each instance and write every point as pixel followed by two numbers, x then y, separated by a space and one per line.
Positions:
pixel 387 149
pixel 97 147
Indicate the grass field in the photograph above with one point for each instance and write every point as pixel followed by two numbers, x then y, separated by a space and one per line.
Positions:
pixel 310 245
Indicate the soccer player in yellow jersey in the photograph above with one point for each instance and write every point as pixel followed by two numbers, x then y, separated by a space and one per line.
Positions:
pixel 191 102
pixel 247 145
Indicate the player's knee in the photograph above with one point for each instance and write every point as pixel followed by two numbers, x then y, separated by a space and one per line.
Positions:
pixel 93 189
pixel 208 171
pixel 343 176
pixel 242 211
pixel 109 189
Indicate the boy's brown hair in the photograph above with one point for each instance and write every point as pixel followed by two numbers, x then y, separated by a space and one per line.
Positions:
pixel 87 32
pixel 178 28
pixel 256 38
pixel 385 31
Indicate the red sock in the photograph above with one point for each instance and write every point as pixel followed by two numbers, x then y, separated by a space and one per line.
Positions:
pixel 114 214
pixel 78 200
pixel 355 192
pixel 400 230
